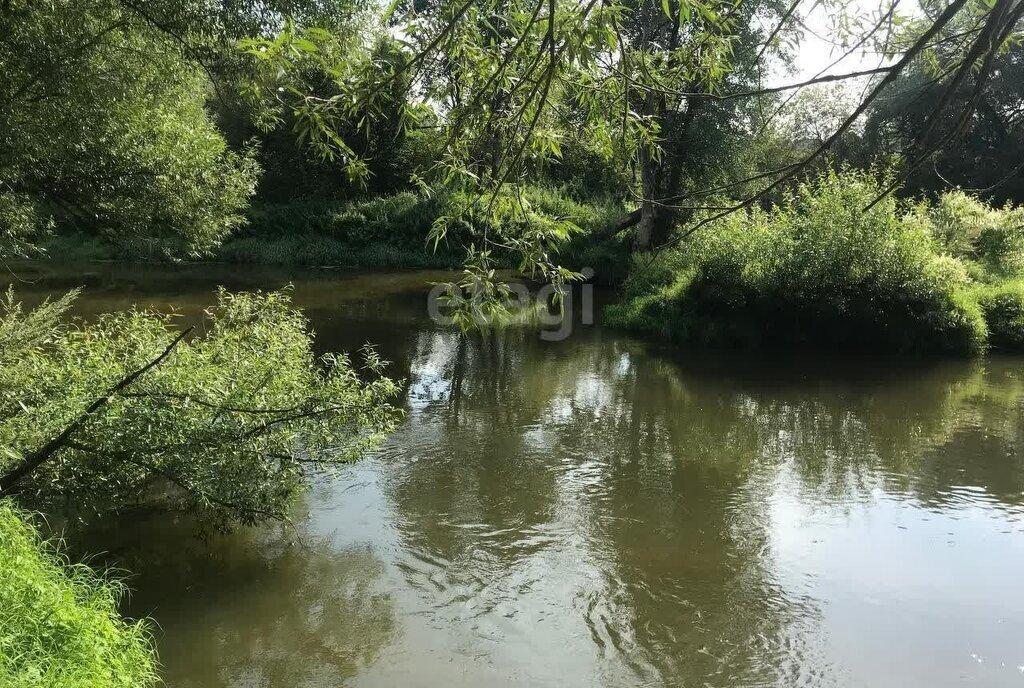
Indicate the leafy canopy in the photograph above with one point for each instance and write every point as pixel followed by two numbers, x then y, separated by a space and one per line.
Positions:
pixel 103 126
pixel 507 84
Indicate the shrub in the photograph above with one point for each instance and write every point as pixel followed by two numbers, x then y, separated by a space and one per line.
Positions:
pixel 971 230
pixel 387 231
pixel 392 218
pixel 1003 306
pixel 814 270
pixel 419 150
pixel 59 624
pixel 584 171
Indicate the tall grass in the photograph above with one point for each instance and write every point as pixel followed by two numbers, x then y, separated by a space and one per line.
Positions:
pixel 59 622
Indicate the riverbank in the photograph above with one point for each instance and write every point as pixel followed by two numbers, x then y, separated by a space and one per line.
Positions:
pixel 386 231
pixel 814 272
pixel 840 266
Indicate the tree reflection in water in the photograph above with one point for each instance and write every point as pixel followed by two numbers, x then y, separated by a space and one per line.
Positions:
pixel 635 494
pixel 255 608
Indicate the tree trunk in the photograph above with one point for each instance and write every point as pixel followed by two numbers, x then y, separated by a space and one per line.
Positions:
pixel 650 187
pixel 643 239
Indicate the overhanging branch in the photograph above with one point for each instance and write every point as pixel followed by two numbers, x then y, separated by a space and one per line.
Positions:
pixel 33 460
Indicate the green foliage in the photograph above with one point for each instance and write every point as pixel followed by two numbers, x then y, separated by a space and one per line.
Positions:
pixel 591 212
pixel 20 222
pixel 607 256
pixel 391 230
pixel 229 425
pixel 59 624
pixel 305 250
pixel 584 170
pixel 816 270
pixel 984 150
pixel 77 247
pixel 103 127
pixel 378 231
pixel 512 88
pixel 313 80
pixel 974 231
pixel 1003 306
pixel 398 218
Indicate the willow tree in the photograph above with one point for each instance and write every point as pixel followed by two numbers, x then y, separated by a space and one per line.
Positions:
pixel 507 81
pixel 984 150
pixel 129 410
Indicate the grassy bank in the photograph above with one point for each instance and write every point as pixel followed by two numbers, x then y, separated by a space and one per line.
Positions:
pixel 59 622
pixel 819 272
pixel 388 231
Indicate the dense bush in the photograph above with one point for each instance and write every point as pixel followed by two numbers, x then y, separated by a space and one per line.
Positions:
pixel 59 624
pixel 396 217
pixel 814 270
pixel 1003 306
pixel 378 231
pixel 113 138
pixel 583 172
pixel 991 238
pixel 589 215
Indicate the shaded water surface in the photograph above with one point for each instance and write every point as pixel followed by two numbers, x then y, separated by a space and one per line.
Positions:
pixel 601 512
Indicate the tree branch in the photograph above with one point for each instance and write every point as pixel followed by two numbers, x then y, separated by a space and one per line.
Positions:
pixel 777 29
pixel 894 71
pixel 33 460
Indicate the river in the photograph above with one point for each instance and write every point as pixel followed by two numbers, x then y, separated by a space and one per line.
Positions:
pixel 600 511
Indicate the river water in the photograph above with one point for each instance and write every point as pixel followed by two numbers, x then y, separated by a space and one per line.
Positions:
pixel 602 512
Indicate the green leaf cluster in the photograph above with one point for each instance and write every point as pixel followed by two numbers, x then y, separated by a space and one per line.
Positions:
pixel 817 270
pixel 230 425
pixel 104 127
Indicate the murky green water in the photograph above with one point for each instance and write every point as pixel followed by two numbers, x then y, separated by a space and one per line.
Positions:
pixel 601 512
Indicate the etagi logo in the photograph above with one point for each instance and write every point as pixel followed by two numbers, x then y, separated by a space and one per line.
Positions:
pixel 555 326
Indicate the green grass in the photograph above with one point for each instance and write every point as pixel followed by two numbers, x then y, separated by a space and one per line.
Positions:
pixel 59 622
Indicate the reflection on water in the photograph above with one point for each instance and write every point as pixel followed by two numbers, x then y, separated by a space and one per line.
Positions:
pixel 599 512
pixel 276 607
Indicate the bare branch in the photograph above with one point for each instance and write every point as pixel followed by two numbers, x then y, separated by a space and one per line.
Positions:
pixel 987 44
pixel 777 29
